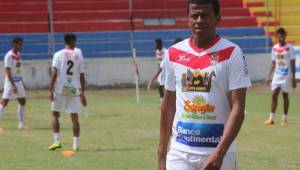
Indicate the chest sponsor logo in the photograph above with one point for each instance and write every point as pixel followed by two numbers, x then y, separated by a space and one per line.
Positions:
pixel 199 135
pixel 196 80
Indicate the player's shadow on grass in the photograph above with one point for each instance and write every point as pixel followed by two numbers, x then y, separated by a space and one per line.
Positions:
pixel 49 128
pixel 114 149
pixel 107 115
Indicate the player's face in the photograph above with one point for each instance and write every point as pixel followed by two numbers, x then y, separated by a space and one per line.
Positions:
pixel 72 43
pixel 18 46
pixel 281 38
pixel 202 19
pixel 158 46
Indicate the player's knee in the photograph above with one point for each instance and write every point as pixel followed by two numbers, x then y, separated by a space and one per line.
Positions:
pixel 4 102
pixel 55 115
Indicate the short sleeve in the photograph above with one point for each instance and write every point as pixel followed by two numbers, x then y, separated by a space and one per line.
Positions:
pixel 292 53
pixel 81 63
pixel 170 83
pixel 8 61
pixel 238 71
pixel 55 61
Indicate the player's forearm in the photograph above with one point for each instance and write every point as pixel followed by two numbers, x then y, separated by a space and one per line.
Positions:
pixel 8 73
pixel 271 71
pixel 234 123
pixel 293 69
pixel 52 82
pixel 156 74
pixel 82 82
pixel 166 121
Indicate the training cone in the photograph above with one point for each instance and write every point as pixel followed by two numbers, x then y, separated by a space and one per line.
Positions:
pixel 67 153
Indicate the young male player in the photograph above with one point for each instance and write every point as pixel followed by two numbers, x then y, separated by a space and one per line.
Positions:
pixel 66 88
pixel 283 67
pixel 13 83
pixel 205 90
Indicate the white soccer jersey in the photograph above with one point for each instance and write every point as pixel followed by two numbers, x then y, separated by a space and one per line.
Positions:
pixel 202 79
pixel 13 61
pixel 282 55
pixel 69 64
pixel 161 54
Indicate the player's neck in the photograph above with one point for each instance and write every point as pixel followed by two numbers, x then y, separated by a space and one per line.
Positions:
pixel 69 47
pixel 203 42
pixel 282 44
pixel 14 50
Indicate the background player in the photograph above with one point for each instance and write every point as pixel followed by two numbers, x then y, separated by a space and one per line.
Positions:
pixel 13 83
pixel 66 88
pixel 283 63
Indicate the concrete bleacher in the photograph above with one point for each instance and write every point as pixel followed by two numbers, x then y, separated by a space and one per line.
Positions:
pixel 117 44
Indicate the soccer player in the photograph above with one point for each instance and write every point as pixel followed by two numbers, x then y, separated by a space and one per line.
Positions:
pixel 67 88
pixel 160 72
pixel 13 83
pixel 283 67
pixel 161 52
pixel 205 89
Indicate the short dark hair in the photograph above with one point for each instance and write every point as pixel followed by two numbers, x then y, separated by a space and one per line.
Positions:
pixel 17 40
pixel 215 4
pixel 281 31
pixel 70 37
pixel 158 41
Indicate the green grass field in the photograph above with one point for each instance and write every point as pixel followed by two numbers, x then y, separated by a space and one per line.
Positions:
pixel 121 135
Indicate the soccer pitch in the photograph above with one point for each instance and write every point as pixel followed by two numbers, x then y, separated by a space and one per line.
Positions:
pixel 123 135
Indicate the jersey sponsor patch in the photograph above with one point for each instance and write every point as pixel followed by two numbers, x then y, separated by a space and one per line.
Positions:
pixel 199 135
pixel 196 80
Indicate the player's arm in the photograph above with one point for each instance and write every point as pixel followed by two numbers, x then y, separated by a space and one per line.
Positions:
pixel 10 79
pixel 235 120
pixel 293 69
pixel 168 109
pixel 270 75
pixel 153 78
pixel 52 82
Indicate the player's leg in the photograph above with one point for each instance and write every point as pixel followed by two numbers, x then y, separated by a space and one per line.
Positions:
pixel 274 102
pixel 56 129
pixel 3 104
pixel 161 92
pixel 286 104
pixel 21 113
pixel 76 131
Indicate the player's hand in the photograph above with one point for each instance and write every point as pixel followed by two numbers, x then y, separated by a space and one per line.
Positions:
pixel 294 83
pixel 269 81
pixel 149 85
pixel 14 88
pixel 82 96
pixel 162 154
pixel 213 162
pixel 51 96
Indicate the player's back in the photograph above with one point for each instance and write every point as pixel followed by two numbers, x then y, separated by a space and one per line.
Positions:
pixel 69 65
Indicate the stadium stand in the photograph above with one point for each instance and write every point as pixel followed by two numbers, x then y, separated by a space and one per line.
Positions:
pixel 103 27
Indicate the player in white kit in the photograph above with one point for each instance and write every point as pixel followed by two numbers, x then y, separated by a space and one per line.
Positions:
pixel 67 88
pixel 205 90
pixel 281 75
pixel 13 83
pixel 160 73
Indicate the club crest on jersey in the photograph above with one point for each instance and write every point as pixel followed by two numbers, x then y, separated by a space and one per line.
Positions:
pixel 196 80
pixel 214 59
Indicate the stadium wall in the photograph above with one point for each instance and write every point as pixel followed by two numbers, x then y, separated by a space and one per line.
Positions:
pixel 120 71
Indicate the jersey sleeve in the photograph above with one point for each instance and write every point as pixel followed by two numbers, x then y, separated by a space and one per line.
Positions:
pixel 238 71
pixel 8 61
pixel 170 83
pixel 292 53
pixel 55 61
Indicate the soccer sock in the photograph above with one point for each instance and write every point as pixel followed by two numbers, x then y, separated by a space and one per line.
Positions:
pixel 1 111
pixel 56 137
pixel 76 142
pixel 284 117
pixel 272 116
pixel 21 111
